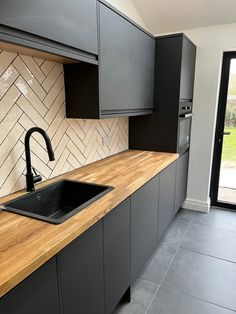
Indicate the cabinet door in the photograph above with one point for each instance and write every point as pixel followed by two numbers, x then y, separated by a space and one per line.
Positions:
pixel 116 228
pixel 71 22
pixel 126 65
pixel 144 215
pixel 187 69
pixel 166 198
pixel 81 273
pixel 115 66
pixel 142 69
pixel 36 294
pixel 181 180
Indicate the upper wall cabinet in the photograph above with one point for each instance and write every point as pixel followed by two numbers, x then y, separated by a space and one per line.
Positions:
pixel 72 22
pixel 123 82
pixel 126 65
pixel 175 70
pixel 187 69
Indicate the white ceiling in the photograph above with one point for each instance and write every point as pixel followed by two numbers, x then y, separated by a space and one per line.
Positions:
pixel 166 16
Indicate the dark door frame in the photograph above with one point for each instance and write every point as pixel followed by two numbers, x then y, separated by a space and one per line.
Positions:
pixel 219 132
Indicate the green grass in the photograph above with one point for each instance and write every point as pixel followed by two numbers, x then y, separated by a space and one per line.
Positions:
pixel 229 146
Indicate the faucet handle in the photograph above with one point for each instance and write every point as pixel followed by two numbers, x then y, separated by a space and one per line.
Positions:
pixel 37 177
pixel 34 170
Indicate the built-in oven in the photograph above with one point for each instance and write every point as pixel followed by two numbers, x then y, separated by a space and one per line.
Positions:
pixel 184 128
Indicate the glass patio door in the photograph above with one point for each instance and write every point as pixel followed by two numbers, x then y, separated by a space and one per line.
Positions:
pixel 223 187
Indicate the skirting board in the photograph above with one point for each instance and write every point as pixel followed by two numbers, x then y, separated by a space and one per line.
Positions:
pixel 197 205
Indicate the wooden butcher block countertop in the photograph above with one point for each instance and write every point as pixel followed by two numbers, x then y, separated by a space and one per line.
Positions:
pixel 26 243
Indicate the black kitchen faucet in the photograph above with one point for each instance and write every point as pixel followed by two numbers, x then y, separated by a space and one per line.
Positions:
pixel 31 178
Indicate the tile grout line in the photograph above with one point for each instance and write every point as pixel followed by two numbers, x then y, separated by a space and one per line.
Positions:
pixel 204 254
pixel 28 68
pixel 160 285
pixel 214 227
pixel 10 87
pixel 210 226
pixel 196 298
pixel 190 222
pixel 189 295
pixel 152 299
pixel 2 121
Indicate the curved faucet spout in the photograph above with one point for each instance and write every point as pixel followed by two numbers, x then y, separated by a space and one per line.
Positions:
pixel 30 178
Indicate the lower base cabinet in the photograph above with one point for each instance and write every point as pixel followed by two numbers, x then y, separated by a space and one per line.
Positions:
pixel 144 217
pixel 81 274
pixel 116 232
pixel 166 198
pixel 93 273
pixel 37 294
pixel 181 180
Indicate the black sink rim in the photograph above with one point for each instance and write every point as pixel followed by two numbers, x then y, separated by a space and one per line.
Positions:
pixel 60 220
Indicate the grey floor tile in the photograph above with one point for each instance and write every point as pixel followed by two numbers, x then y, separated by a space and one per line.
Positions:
pixel 186 214
pixel 212 241
pixel 156 267
pixel 219 218
pixel 142 293
pixel 170 302
pixel 158 263
pixel 203 277
pixel 175 232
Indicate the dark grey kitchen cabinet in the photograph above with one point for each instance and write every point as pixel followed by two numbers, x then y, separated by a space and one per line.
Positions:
pixel 126 65
pixel 71 22
pixel 116 229
pixel 81 275
pixel 144 217
pixel 114 49
pixel 36 294
pixel 175 70
pixel 181 180
pixel 166 198
pixel 123 82
pixel 167 129
pixel 187 71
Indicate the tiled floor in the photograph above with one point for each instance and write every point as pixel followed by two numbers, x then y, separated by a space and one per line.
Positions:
pixel 193 270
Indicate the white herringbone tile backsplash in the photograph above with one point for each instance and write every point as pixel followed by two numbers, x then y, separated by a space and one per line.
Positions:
pixel 32 94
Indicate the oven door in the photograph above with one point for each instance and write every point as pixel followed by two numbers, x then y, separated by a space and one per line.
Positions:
pixel 184 134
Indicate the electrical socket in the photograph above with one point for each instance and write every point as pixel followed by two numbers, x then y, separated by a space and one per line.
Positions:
pixel 105 140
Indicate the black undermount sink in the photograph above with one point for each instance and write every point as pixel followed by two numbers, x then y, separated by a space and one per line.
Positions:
pixel 57 202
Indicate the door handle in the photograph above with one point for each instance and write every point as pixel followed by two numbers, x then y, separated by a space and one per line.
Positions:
pixel 226 133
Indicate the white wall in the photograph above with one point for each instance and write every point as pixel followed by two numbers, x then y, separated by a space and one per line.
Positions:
pixel 128 7
pixel 211 42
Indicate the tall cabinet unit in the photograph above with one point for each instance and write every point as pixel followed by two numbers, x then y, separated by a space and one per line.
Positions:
pixel 173 91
